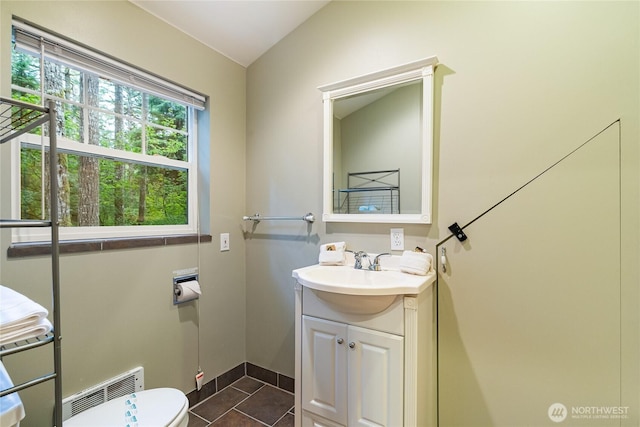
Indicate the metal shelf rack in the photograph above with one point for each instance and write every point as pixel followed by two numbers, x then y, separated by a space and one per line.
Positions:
pixel 378 189
pixel 17 118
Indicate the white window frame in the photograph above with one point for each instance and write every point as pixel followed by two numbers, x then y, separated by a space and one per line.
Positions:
pixel 191 100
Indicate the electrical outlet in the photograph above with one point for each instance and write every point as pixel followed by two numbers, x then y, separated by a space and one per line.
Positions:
pixel 397 239
pixel 224 242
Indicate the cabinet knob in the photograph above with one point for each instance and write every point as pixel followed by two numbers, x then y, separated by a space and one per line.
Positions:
pixel 340 340
pixel 352 345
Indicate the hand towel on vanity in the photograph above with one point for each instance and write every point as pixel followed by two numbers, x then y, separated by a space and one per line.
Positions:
pixel 416 262
pixel 332 254
pixel 20 317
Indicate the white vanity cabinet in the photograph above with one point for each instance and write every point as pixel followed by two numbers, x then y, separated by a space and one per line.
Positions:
pixel 344 363
pixel 355 368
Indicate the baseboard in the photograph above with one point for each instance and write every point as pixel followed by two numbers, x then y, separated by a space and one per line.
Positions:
pixel 244 369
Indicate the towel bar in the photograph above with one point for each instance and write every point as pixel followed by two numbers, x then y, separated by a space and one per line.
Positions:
pixel 257 218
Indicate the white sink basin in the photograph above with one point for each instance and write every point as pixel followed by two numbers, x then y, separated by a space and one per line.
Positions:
pixel 344 279
pixel 361 291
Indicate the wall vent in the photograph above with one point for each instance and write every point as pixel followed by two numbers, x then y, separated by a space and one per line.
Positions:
pixel 129 382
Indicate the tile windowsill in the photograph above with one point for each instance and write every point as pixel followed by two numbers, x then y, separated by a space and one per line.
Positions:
pixel 21 250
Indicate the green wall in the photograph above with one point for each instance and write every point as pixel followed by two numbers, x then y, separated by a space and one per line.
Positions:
pixel 117 310
pixel 519 85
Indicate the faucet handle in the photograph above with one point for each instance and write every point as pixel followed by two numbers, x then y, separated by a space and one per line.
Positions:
pixel 358 259
pixel 375 265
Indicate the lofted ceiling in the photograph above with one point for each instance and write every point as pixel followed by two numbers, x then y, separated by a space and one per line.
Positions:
pixel 242 30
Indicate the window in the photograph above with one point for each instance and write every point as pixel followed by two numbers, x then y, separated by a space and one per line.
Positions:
pixel 126 140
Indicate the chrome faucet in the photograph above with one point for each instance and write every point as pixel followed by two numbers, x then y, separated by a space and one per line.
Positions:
pixel 358 259
pixel 375 265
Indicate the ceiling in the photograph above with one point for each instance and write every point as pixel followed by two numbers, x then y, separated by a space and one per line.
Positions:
pixel 241 30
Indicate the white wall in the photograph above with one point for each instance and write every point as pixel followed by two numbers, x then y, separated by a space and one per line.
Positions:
pixel 520 84
pixel 117 310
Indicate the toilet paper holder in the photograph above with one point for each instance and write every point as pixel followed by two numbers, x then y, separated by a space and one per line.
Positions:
pixel 178 297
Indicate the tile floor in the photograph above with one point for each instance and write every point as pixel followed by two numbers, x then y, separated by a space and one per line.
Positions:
pixel 247 402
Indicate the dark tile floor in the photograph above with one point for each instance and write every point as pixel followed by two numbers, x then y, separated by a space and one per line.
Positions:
pixel 245 403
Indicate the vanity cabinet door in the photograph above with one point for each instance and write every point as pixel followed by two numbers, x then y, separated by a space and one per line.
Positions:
pixel 313 420
pixel 351 375
pixel 376 378
pixel 324 368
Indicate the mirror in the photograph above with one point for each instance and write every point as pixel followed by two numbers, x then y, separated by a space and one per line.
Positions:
pixel 378 138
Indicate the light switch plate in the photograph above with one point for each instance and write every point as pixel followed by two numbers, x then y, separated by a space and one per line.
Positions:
pixel 224 242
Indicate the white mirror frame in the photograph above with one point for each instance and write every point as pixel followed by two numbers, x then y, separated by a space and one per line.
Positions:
pixel 422 69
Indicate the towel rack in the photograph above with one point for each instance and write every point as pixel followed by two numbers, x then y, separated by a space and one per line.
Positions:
pixel 257 218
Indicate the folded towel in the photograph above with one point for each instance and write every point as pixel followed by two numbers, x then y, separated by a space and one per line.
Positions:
pixel 18 310
pixel 332 254
pixel 20 317
pixel 419 263
pixel 41 327
pixel 331 258
pixel 336 246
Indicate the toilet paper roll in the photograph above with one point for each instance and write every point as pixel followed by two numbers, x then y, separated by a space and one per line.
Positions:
pixel 187 291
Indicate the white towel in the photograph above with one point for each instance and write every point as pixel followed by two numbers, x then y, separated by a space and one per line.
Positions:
pixel 41 327
pixel 16 309
pixel 418 263
pixel 332 254
pixel 335 246
pixel 20 317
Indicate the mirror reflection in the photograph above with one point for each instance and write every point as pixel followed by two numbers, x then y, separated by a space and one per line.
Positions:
pixel 377 151
pixel 378 142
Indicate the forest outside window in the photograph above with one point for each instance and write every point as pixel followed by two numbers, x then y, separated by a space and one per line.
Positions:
pixel 126 141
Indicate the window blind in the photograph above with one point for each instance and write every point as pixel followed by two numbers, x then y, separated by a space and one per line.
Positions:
pixel 57 48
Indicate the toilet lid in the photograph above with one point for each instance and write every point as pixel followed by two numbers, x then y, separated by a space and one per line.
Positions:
pixel 148 408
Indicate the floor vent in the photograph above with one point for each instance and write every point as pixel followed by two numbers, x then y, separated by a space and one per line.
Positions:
pixel 121 385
